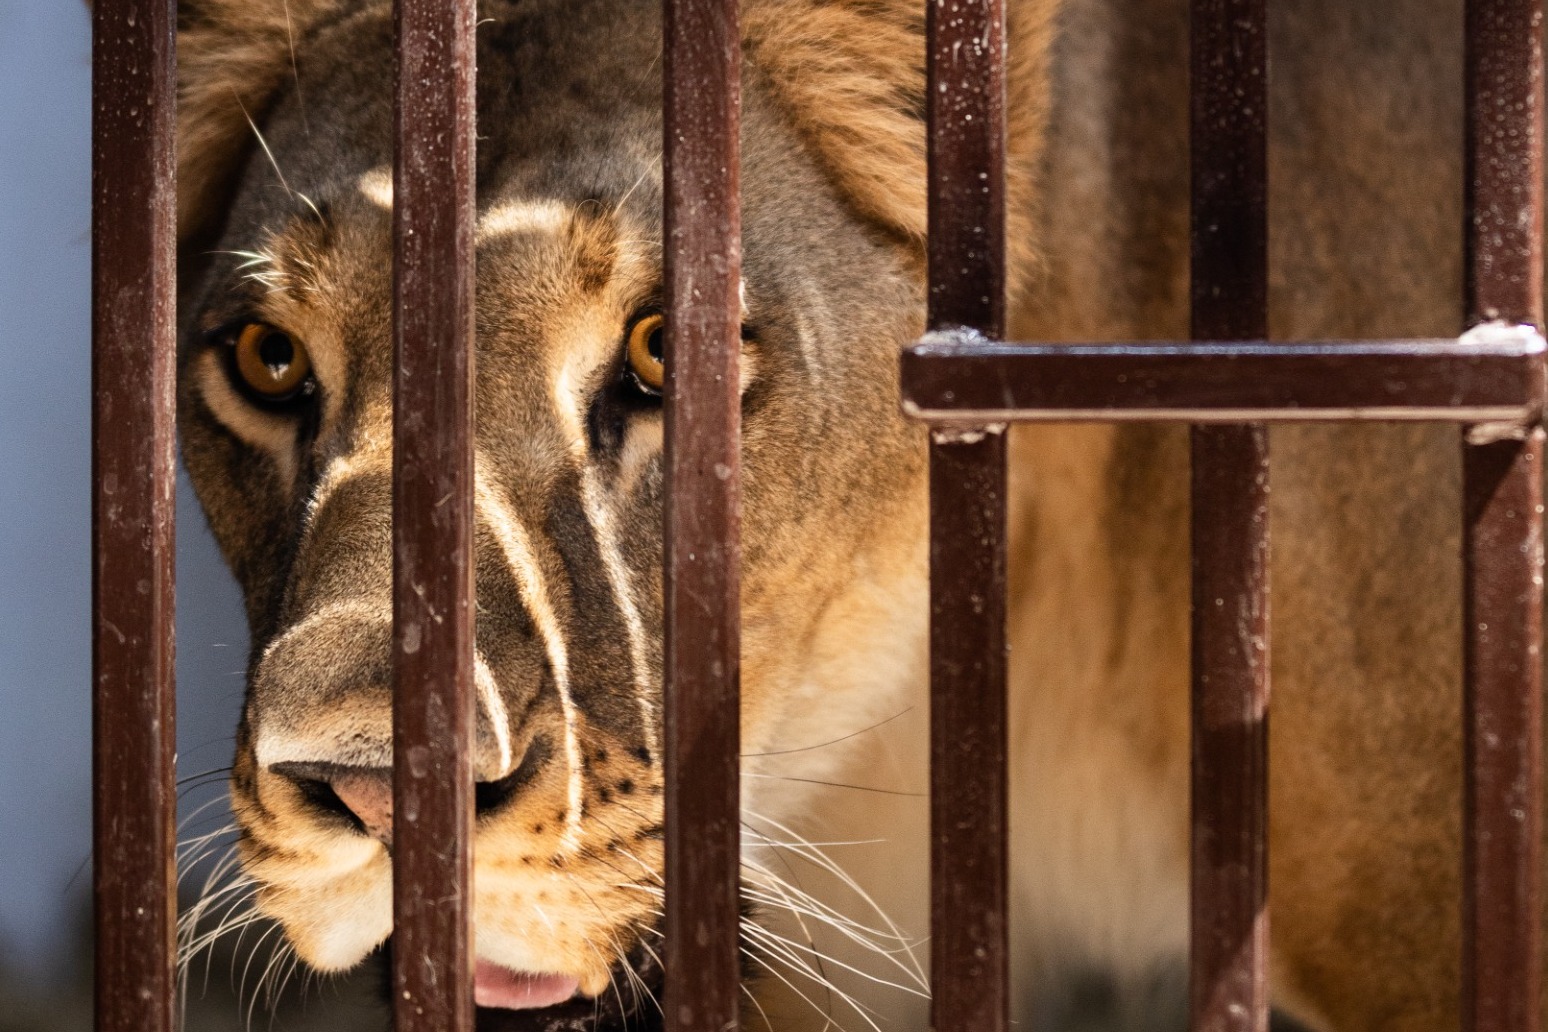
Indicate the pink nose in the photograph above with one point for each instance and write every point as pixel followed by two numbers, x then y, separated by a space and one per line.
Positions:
pixel 369 797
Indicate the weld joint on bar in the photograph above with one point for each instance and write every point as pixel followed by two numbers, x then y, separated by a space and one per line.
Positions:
pixel 946 342
pixel 944 431
pixel 1529 340
pixel 1522 335
pixel 964 433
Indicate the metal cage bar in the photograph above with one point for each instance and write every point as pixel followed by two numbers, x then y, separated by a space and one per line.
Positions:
pixel 703 257
pixel 1493 381
pixel 133 476
pixel 433 524
pixel 1502 858
pixel 1496 377
pixel 1228 980
pixel 966 267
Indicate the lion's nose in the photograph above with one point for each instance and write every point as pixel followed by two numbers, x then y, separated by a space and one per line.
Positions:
pixel 364 793
pixel 367 794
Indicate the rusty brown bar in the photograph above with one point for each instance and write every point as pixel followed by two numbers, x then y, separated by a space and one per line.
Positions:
pixel 1230 740
pixel 433 486
pixel 133 360
pixel 1229 913
pixel 703 259
pixel 1500 376
pixel 966 108
pixel 1502 537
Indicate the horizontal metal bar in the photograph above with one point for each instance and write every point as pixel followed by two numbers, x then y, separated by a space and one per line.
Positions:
pixel 1494 374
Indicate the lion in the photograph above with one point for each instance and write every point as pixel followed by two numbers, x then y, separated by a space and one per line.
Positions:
pixel 284 204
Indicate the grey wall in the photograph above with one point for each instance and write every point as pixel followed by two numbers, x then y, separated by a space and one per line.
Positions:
pixel 45 658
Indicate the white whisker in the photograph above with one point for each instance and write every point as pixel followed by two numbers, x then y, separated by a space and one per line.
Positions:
pixel 822 860
pixel 827 912
pixel 755 929
pixel 295 70
pixel 829 1022
pixel 761 1012
pixel 858 934
pixel 618 206
pixel 263 143
pixel 612 980
pixel 293 962
pixel 780 886
pixel 246 969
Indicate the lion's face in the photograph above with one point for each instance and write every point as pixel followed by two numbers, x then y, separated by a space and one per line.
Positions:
pixel 285 412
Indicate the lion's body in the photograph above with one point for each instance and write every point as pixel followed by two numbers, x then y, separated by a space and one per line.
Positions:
pixel 1366 229
pixel 1366 239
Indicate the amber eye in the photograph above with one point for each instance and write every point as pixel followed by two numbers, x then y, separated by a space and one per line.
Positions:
pixel 646 352
pixel 271 364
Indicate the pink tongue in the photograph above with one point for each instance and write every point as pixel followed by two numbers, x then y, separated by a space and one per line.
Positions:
pixel 495 986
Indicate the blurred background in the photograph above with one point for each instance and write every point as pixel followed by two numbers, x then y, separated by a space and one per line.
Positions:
pixel 45 654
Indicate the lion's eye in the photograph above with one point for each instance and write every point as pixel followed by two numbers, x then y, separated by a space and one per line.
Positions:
pixel 272 365
pixel 645 352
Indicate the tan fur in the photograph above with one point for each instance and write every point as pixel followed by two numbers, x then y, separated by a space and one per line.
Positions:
pixel 232 55
pixel 853 74
pixel 1365 752
pixel 1366 229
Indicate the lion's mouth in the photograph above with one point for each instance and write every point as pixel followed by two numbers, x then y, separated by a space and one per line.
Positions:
pixel 496 986
pixel 523 1001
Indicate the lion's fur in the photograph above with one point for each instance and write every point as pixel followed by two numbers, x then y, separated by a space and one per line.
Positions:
pixel 1365 198
pixel 853 75
pixel 1366 229
pixel 850 71
pixel 233 55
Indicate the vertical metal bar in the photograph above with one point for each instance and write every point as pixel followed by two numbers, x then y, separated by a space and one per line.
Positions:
pixel 1502 859
pixel 966 107
pixel 1504 154
pixel 133 472
pixel 1229 871
pixel 433 484
pixel 1502 538
pixel 703 512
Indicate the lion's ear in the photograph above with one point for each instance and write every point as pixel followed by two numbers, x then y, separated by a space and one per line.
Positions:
pixel 852 75
pixel 232 57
